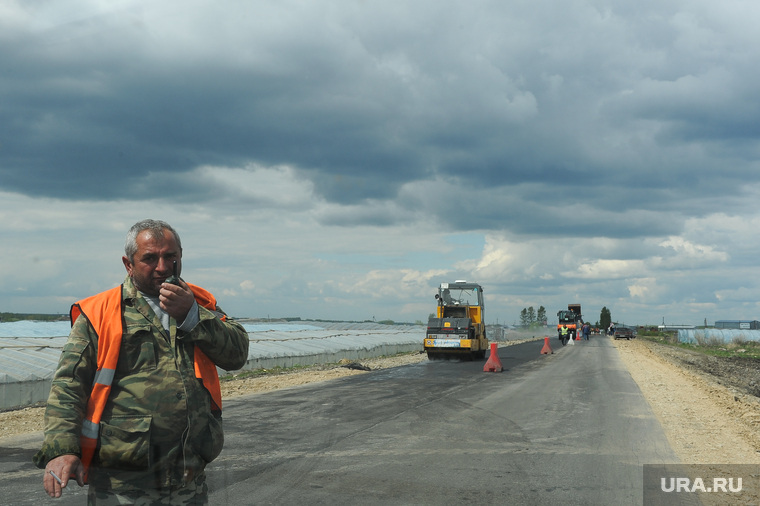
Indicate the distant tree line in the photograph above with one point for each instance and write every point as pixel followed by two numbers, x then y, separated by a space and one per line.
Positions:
pixel 16 317
pixel 530 317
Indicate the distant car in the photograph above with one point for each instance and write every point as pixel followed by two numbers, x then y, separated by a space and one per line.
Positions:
pixel 624 333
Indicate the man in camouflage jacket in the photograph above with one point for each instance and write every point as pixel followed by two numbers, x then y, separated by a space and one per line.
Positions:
pixel 158 429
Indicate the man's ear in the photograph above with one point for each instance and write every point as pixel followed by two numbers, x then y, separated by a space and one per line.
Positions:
pixel 127 265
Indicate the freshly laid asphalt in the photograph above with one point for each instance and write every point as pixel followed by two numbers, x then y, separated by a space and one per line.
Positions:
pixel 566 428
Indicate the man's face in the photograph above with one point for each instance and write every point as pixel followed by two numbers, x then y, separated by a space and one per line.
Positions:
pixel 153 261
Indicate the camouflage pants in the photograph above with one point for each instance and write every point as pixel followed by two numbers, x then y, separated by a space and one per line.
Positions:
pixel 194 494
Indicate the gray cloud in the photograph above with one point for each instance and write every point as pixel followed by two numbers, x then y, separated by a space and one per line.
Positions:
pixel 577 121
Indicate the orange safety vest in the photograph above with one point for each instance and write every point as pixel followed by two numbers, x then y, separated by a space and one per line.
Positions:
pixel 104 312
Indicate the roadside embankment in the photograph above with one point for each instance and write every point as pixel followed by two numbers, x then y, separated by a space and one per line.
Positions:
pixel 705 421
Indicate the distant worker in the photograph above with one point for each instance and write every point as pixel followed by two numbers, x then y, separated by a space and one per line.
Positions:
pixel 135 404
pixel 586 331
pixel 564 335
pixel 447 297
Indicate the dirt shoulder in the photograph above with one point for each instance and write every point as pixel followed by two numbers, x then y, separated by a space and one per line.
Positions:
pixel 707 406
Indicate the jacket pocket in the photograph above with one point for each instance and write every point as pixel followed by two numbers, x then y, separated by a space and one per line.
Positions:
pixel 125 443
pixel 138 350
pixel 210 444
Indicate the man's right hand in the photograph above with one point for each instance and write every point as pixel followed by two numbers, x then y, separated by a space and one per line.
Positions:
pixel 65 467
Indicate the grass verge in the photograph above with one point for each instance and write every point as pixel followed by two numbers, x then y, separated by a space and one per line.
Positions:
pixel 711 346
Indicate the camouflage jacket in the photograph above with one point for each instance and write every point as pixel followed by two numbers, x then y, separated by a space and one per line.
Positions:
pixel 158 427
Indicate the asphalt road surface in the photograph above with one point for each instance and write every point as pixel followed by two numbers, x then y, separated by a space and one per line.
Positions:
pixel 567 428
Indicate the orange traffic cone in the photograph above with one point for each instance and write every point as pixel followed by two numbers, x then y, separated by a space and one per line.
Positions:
pixel 546 350
pixel 493 364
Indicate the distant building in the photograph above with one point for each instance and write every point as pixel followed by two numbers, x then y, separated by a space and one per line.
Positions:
pixel 738 324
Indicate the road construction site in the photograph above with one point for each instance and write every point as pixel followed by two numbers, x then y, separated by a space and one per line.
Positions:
pixel 567 391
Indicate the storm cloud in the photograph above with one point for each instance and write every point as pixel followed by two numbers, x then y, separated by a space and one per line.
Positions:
pixel 314 155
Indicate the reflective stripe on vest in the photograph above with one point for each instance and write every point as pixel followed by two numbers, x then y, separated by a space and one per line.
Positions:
pixel 104 314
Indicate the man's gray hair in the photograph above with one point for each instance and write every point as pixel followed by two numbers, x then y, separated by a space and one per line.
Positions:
pixel 156 228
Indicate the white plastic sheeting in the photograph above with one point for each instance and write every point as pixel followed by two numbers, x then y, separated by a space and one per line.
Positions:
pixel 288 345
pixel 699 336
pixel 29 351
